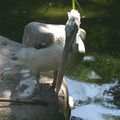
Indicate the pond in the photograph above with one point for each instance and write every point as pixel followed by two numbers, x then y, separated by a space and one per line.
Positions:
pixel 95 84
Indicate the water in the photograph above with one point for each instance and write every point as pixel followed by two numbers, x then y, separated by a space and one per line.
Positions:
pixel 95 93
pixel 90 101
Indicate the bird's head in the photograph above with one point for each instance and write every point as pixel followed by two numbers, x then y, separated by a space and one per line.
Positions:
pixel 71 28
pixel 73 22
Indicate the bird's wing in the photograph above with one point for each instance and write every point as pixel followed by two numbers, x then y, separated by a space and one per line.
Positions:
pixel 82 34
pixel 37 35
pixel 80 38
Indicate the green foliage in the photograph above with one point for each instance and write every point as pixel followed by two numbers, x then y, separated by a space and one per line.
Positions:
pixel 105 66
pixel 73 4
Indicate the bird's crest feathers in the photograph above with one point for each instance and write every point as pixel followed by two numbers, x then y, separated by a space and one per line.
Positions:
pixel 74 14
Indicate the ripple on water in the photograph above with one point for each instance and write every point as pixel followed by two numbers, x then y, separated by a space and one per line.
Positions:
pixel 91 101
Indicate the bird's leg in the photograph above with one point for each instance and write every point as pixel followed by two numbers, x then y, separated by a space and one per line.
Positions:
pixel 54 78
pixel 37 77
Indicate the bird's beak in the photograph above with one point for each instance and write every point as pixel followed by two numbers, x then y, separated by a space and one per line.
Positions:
pixel 68 46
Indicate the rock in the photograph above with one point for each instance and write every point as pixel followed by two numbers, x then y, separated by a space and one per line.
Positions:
pixel 112 95
pixel 17 83
pixel 75 118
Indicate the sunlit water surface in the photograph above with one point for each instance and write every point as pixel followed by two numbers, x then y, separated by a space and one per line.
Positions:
pixel 90 101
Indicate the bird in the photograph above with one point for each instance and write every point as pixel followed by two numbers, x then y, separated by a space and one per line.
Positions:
pixel 44 44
